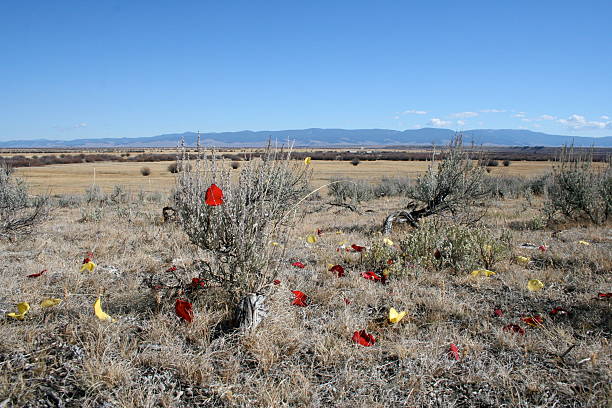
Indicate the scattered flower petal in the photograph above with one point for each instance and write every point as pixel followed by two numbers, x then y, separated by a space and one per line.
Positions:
pixel 454 352
pixel 184 310
pixel 88 266
pixel 214 196
pixel 300 298
pixel 50 302
pixel 514 328
pixel 498 312
pixel 558 311
pixel 347 301
pixel 99 312
pixel 543 248
pixel 311 239
pixel 533 320
pixel 22 310
pixel 274 243
pixel 307 160
pixel 363 338
pixel 482 272
pixel 276 282
pixel 36 275
pixel 370 275
pixel 357 248
pixel 534 285
pixel 394 316
pixel 522 260
pixel 338 269
pixel 195 282
pixel 604 295
pixel 387 242
pixel 298 265
pixel 584 243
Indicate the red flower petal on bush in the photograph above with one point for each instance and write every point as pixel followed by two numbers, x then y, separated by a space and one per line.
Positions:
pixel 86 260
pixel 195 282
pixel 357 248
pixel 171 269
pixel 371 276
pixel 498 312
pixel 319 232
pixel 533 320
pixel 454 352
pixel 36 275
pixel 183 310
pixel 300 298
pixel 346 301
pixel 542 248
pixel 604 295
pixel 214 196
pixel 338 269
pixel 363 338
pixel 514 328
pixel 298 265
pixel 389 261
pixel 276 282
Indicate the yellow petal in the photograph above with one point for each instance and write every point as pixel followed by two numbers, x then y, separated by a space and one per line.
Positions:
pixel 274 243
pixel 50 302
pixel 388 242
pixel 90 266
pixel 534 285
pixel 98 311
pixel 22 309
pixel 483 272
pixel 394 316
pixel 487 248
pixel 307 160
pixel 584 243
pixel 522 260
pixel 311 239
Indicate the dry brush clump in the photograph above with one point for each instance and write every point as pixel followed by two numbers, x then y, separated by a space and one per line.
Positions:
pixel 19 213
pixel 256 208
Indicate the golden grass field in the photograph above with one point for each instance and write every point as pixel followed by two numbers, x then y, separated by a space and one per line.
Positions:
pixel 64 356
pixel 75 178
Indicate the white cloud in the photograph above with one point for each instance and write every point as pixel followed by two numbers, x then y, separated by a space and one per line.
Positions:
pixel 493 110
pixel 604 117
pixel 461 122
pixel 414 112
pixel 519 115
pixel 547 117
pixel 437 122
pixel 464 115
pixel 576 122
pixel 71 127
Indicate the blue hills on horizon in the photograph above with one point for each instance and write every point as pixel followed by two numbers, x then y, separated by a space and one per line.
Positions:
pixel 316 137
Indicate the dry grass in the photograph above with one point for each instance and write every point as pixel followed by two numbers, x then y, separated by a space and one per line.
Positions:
pixel 75 178
pixel 64 356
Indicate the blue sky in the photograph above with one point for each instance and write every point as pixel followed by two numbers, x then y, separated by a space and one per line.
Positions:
pixel 129 69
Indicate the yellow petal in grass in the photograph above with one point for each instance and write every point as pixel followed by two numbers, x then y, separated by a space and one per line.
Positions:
pixel 534 285
pixel 394 316
pixel 482 272
pixel 50 302
pixel 99 312
pixel 522 260
pixel 274 243
pixel 307 160
pixel 89 266
pixel 22 309
pixel 388 242
pixel 311 239
pixel 584 243
pixel 487 248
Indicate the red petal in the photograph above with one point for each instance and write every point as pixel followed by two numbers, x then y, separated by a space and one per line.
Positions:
pixel 300 298
pixel 363 338
pixel 604 295
pixel 319 232
pixel 498 312
pixel 36 275
pixel 533 320
pixel 171 269
pixel 558 311
pixel 371 276
pixel 277 282
pixel 389 261
pixel 357 248
pixel 298 265
pixel 348 302
pixel 338 269
pixel 184 310
pixel 514 328
pixel 454 351
pixel 86 260
pixel 542 248
pixel 214 196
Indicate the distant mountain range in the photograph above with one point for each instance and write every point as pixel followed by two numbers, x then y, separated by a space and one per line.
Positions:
pixel 328 138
